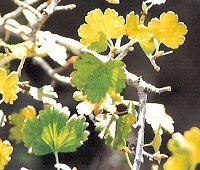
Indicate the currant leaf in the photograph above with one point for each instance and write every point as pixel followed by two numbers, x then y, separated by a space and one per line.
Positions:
pixel 97 79
pixel 54 131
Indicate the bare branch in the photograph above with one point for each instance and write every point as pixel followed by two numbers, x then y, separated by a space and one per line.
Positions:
pixel 154 157
pixel 50 71
pixel 142 88
pixel 18 11
pixel 66 7
pixel 141 125
pixel 125 49
pixel 138 82
pixel 45 15
pixel 25 5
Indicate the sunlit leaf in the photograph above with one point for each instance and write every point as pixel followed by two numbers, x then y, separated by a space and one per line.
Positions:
pixel 54 131
pixel 168 30
pixel 139 33
pixel 108 23
pixel 55 51
pixel 46 94
pixel 97 79
pixel 156 116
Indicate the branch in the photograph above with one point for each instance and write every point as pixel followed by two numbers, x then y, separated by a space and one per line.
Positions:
pixel 142 88
pixel 154 157
pixel 50 71
pixel 138 82
pixel 66 7
pixel 16 12
pixel 25 5
pixel 141 125
pixel 45 15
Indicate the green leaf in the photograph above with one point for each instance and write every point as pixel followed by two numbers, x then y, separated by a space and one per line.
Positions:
pixel 115 130
pixel 54 131
pixel 156 143
pixel 101 45
pixel 97 79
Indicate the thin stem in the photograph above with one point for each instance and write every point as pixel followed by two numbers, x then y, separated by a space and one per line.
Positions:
pixel 57 159
pixel 148 144
pixel 50 71
pixel 21 65
pixel 128 160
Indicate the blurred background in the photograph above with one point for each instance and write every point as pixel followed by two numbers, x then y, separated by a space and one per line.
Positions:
pixel 180 70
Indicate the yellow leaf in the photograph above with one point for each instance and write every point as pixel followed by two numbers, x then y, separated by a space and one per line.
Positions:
pixel 185 149
pixel 8 85
pixel 193 139
pixel 168 30
pixel 139 33
pixel 176 163
pixel 109 24
pixel 17 119
pixel 5 151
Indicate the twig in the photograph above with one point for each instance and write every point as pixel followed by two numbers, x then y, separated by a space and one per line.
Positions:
pixel 154 157
pixel 45 15
pixel 20 67
pixel 125 49
pixel 42 6
pixel 16 12
pixel 137 82
pixel 25 5
pixel 66 7
pixel 50 71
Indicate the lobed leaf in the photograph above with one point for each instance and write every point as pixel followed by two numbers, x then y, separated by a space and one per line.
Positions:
pixel 54 131
pixel 97 79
